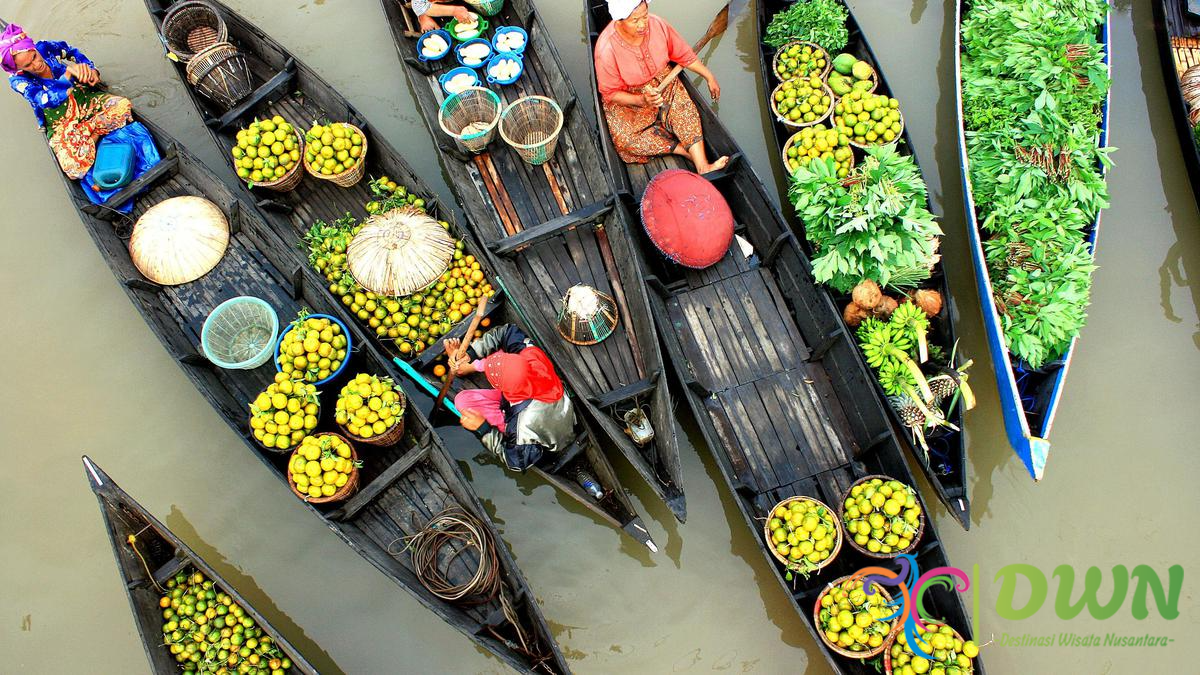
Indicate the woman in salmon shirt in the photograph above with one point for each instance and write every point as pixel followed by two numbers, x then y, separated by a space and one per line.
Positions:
pixel 633 55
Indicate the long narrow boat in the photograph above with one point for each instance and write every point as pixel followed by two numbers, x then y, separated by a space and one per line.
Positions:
pixel 552 226
pixel 1177 23
pixel 401 486
pixel 774 380
pixel 1029 398
pixel 289 88
pixel 148 556
pixel 945 463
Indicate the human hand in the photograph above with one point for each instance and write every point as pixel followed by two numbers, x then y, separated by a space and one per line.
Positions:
pixel 471 420
pixel 651 97
pixel 427 23
pixel 714 89
pixel 451 345
pixel 461 14
pixel 83 74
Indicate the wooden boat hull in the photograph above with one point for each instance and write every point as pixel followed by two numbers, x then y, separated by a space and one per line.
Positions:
pixel 165 555
pixel 946 465
pixel 548 228
pixel 1171 21
pixel 401 487
pixel 805 421
pixel 1028 399
pixel 290 88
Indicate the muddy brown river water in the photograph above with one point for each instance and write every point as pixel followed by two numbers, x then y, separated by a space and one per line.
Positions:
pixel 83 374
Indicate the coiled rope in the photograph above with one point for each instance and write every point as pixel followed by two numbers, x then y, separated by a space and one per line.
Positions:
pixel 459 531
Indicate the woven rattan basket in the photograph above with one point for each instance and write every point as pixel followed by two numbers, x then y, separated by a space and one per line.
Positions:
pixel 221 73
pixel 531 125
pixel 344 491
pixel 486 7
pixel 887 651
pixel 916 538
pixel 838 648
pixel 899 135
pixel 280 451
pixel 290 179
pixel 393 434
pixel 800 125
pixel 821 74
pixel 470 117
pixel 191 27
pixel 586 315
pixel 350 176
pixel 791 564
pixel 787 146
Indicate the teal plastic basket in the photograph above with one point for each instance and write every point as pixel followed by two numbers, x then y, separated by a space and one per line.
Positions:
pixel 240 333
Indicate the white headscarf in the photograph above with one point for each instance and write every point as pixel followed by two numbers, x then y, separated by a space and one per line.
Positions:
pixel 621 9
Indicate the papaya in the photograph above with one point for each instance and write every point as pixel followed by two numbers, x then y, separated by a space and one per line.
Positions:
pixel 844 63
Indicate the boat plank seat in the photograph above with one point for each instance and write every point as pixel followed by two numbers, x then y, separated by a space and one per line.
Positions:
pixel 1187 52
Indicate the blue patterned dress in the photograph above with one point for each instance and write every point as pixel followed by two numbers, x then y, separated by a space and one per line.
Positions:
pixel 48 93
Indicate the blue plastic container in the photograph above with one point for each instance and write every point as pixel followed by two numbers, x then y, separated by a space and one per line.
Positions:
pixel 421 40
pixel 113 167
pixel 349 346
pixel 476 41
pixel 502 56
pixel 510 29
pixel 455 71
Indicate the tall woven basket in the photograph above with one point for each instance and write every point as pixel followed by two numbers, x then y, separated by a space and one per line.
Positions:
pixel 471 117
pixel 351 176
pixel 191 27
pixel 221 73
pixel 531 126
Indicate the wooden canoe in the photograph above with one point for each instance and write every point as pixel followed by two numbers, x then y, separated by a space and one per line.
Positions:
pixel 287 87
pixel 945 465
pixel 552 226
pixel 1177 23
pixel 401 486
pixel 1029 398
pixel 160 555
pixel 775 381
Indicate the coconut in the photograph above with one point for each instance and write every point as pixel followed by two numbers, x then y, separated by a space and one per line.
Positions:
pixel 854 314
pixel 886 306
pixel 867 294
pixel 929 301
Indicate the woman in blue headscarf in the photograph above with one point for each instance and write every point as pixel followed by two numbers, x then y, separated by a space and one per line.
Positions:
pixel 57 80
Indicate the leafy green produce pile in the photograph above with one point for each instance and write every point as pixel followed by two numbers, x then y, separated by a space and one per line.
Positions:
pixel 874 224
pixel 820 21
pixel 1033 84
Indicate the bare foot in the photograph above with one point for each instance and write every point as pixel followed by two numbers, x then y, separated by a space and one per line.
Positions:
pixel 721 163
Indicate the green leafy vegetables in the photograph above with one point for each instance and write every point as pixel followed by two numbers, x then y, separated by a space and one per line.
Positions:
pixel 820 21
pixel 1033 83
pixel 873 224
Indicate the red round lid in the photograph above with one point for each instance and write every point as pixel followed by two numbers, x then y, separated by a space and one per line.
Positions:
pixel 687 218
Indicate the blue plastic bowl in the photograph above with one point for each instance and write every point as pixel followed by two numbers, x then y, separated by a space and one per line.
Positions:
pixel 510 29
pixel 455 71
pixel 349 346
pixel 458 51
pixel 421 41
pixel 501 56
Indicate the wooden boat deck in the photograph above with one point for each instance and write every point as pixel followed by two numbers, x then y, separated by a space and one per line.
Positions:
pixel 1177 23
pixel 161 555
pixel 401 486
pixel 292 90
pixel 546 228
pixel 945 465
pixel 775 382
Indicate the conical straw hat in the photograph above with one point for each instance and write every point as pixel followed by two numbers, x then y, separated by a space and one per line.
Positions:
pixel 586 315
pixel 179 240
pixel 399 252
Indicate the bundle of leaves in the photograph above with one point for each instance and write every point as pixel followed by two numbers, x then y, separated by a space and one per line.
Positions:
pixel 1196 135
pixel 820 21
pixel 1034 82
pixel 874 224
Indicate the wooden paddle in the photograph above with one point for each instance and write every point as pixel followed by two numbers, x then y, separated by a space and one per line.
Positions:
pixel 716 29
pixel 462 349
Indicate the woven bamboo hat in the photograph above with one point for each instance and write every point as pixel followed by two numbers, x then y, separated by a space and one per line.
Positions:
pixel 399 252
pixel 179 240
pixel 587 316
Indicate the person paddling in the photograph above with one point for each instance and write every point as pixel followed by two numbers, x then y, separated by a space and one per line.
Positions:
pixel 57 80
pixel 633 55
pixel 527 413
pixel 428 11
